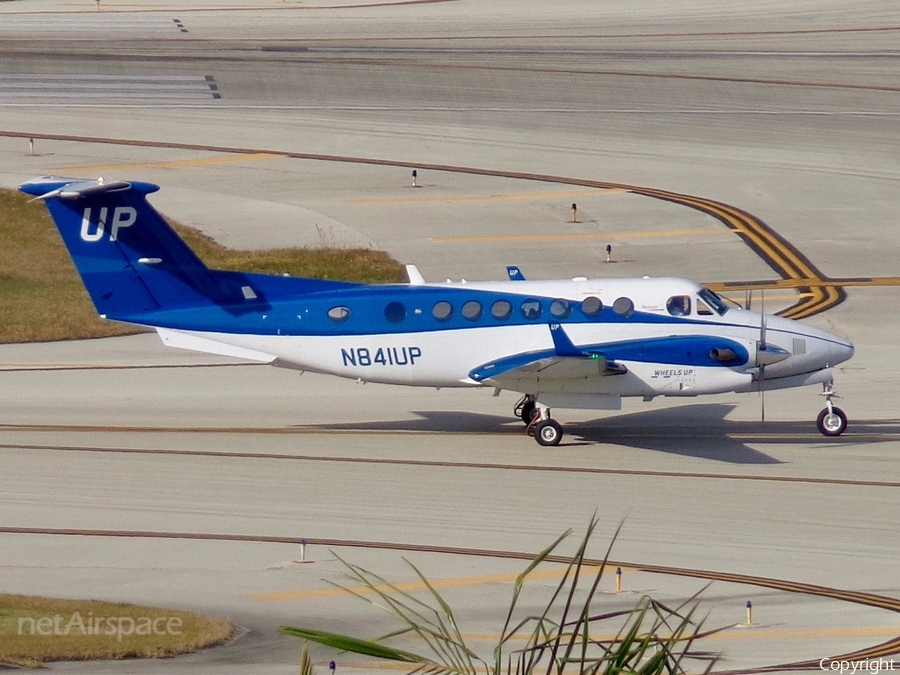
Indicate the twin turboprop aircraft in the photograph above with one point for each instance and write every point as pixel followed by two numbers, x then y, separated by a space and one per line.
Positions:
pixel 580 343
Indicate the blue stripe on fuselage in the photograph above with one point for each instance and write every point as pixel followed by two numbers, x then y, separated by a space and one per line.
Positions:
pixel 307 314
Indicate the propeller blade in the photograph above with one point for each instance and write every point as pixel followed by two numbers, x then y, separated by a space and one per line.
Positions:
pixel 762 393
pixel 761 347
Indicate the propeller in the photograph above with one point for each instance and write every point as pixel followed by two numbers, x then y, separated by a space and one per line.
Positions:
pixel 761 348
pixel 766 355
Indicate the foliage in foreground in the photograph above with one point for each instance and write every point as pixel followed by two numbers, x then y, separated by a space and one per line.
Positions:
pixel 568 636
pixel 42 298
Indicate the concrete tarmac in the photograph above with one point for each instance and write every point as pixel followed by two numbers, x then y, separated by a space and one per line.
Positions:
pixel 786 112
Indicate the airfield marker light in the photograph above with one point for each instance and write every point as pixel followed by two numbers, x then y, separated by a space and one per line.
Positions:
pixel 609 253
pixel 618 580
pixel 749 613
pixel 574 213
pixel 302 558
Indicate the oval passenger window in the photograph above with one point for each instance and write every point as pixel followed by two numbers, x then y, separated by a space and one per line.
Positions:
pixel 531 309
pixel 472 310
pixel 501 310
pixel 442 310
pixel 591 306
pixel 623 307
pixel 395 312
pixel 338 313
pixel 560 309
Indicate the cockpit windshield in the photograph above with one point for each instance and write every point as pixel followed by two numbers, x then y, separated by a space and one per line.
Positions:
pixel 713 301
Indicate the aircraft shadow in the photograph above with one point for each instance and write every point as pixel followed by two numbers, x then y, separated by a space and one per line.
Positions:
pixel 700 431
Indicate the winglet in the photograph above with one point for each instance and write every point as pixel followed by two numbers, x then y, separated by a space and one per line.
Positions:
pixel 514 273
pixel 564 346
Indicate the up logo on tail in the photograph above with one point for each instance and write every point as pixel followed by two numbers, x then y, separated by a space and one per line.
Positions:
pixel 122 217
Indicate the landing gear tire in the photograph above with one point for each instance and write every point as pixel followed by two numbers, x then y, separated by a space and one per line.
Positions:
pixel 832 423
pixel 527 411
pixel 548 432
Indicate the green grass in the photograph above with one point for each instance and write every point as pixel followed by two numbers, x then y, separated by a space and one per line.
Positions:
pixel 41 296
pixel 72 630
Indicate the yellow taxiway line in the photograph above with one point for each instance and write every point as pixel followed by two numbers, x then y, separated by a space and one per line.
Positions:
pixel 178 163
pixel 524 196
pixel 577 235
pixel 410 586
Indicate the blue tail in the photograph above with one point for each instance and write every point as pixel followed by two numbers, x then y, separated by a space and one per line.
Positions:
pixel 130 259
pixel 132 262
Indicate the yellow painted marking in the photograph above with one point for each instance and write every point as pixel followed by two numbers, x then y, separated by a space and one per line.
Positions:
pixel 200 161
pixel 772 298
pixel 409 586
pixel 797 282
pixel 489 198
pixel 606 236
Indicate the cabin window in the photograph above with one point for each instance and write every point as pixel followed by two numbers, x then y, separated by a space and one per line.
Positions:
pixel 339 314
pixel 472 310
pixel 560 309
pixel 531 309
pixel 709 299
pixel 591 306
pixel 679 305
pixel 623 307
pixel 501 310
pixel 395 312
pixel 442 311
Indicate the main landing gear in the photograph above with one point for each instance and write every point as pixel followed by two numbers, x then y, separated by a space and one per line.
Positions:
pixel 831 421
pixel 538 423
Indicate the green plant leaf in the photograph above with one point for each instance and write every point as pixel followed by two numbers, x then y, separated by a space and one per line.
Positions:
pixel 650 638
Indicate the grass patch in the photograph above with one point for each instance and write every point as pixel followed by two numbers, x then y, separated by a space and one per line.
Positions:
pixel 35 630
pixel 42 298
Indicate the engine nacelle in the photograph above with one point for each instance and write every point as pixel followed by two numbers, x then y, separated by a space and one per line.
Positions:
pixel 668 380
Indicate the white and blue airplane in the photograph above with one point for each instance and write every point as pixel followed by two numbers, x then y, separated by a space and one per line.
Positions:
pixel 580 343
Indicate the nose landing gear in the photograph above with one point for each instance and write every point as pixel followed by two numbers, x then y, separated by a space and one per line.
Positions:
pixel 832 421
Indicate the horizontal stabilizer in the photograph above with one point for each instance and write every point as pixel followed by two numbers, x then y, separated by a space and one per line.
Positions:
pixel 72 188
pixel 197 343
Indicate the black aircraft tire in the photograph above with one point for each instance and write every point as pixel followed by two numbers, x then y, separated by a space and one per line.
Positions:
pixel 834 424
pixel 527 413
pixel 548 432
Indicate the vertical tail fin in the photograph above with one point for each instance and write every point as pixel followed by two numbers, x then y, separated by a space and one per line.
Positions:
pixel 129 258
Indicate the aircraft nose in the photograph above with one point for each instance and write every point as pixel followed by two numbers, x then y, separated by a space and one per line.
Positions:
pixel 840 350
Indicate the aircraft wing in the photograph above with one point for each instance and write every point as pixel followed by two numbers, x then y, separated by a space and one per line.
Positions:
pixel 564 362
